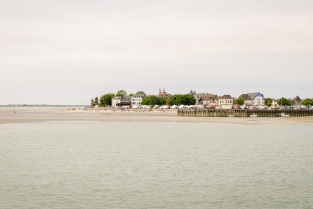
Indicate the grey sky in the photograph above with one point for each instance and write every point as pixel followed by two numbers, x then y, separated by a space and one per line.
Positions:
pixel 66 52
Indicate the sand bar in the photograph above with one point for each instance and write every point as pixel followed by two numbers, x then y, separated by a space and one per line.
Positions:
pixel 46 114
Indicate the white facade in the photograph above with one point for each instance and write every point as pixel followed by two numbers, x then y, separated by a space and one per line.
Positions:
pixel 136 99
pixel 115 101
pixel 226 107
pixel 258 101
pixel 248 102
pixel 226 100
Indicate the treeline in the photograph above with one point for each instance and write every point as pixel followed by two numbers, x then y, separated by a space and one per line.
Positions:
pixel 179 99
pixel 307 102
pixel 106 99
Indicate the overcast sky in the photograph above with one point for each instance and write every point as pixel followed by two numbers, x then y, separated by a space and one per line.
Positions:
pixel 69 51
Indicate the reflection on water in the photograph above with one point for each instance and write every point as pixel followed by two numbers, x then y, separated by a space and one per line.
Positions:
pixel 155 165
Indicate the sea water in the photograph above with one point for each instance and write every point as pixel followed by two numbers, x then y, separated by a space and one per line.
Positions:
pixel 95 165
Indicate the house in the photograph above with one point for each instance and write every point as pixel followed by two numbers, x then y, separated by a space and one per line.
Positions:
pixel 210 99
pixel 137 99
pixel 297 100
pixel 292 103
pixel 200 97
pixel 116 101
pixel 121 101
pixel 248 100
pixel 226 102
pixel 126 101
pixel 257 99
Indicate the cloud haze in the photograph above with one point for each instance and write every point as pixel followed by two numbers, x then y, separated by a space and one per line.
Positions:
pixel 66 52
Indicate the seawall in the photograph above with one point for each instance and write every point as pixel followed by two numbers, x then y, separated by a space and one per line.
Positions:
pixel 243 113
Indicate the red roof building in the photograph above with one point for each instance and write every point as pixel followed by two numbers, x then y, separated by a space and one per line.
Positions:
pixel 163 94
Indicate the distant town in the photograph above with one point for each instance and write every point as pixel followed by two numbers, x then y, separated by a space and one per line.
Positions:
pixel 165 100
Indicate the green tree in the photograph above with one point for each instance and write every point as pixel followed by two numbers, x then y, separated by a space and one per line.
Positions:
pixel 185 99
pixel 96 101
pixel 121 93
pixel 268 102
pixel 106 99
pixel 284 102
pixel 240 101
pixel 307 102
pixel 151 100
pixel 131 95
pixel 162 101
pixel 141 93
pixel 172 100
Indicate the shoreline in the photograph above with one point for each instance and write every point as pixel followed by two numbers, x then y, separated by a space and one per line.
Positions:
pixel 46 114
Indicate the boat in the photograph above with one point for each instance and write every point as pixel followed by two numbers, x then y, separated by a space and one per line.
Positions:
pixel 283 115
pixel 254 115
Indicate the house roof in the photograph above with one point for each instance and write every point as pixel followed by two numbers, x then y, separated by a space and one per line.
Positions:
pixel 127 98
pixel 245 97
pixel 297 99
pixel 210 97
pixel 253 95
pixel 199 96
pixel 123 99
pixel 225 97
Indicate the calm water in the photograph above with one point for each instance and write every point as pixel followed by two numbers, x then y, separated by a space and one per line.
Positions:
pixel 155 165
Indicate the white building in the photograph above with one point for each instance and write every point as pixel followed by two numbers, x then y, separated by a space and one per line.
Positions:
pixel 137 99
pixel 226 102
pixel 253 99
pixel 116 101
pixel 127 100
pixel 257 99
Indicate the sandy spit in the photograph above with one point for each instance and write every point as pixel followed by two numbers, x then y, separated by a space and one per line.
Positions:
pixel 45 114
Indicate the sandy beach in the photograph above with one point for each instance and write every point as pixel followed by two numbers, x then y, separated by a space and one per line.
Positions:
pixel 46 114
